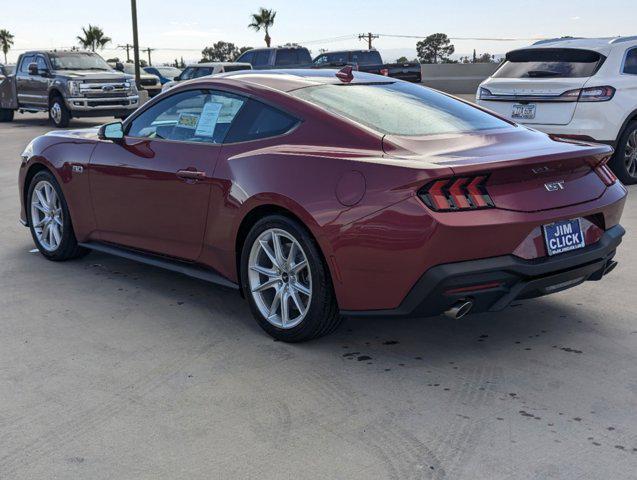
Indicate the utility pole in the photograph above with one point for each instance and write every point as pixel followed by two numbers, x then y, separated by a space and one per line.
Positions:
pixel 133 5
pixel 148 50
pixel 126 47
pixel 369 37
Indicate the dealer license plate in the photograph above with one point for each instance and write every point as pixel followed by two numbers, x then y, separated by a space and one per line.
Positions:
pixel 524 112
pixel 563 236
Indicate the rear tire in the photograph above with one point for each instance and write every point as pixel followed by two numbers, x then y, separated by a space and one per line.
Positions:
pixel 6 115
pixel 59 115
pixel 50 221
pixel 306 307
pixel 624 162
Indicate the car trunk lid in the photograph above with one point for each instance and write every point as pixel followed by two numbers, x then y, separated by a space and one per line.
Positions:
pixel 525 170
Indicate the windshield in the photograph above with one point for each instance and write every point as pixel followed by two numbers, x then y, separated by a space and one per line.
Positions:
pixel 400 108
pixel 168 72
pixel 78 61
pixel 550 63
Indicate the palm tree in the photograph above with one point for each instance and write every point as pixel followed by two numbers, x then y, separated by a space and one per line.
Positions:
pixel 6 40
pixel 93 38
pixel 263 20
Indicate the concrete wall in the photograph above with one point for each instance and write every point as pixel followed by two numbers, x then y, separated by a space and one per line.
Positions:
pixel 456 77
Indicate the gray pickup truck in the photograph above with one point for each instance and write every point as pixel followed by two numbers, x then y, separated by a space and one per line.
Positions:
pixel 67 84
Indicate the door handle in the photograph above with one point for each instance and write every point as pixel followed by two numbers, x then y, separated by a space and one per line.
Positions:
pixel 191 174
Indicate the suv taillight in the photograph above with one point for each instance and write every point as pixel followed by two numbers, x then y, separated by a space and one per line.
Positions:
pixel 590 94
pixel 384 71
pixel 453 194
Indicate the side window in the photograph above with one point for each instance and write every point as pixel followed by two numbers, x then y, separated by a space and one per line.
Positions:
pixel 247 57
pixel 202 72
pixel 630 64
pixel 261 58
pixel 188 73
pixel 286 57
pixel 258 120
pixel 321 60
pixel 191 116
pixel 24 66
pixel 41 63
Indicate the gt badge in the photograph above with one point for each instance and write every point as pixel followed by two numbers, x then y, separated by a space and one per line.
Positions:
pixel 554 186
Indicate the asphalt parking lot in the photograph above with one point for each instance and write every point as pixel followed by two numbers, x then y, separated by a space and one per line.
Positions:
pixel 114 370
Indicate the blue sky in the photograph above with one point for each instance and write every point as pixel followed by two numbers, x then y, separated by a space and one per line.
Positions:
pixel 189 25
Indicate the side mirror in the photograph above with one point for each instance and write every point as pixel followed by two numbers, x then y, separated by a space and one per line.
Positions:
pixel 119 66
pixel 111 131
pixel 33 68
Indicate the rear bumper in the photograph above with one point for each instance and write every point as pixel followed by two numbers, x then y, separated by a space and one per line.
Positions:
pixel 506 279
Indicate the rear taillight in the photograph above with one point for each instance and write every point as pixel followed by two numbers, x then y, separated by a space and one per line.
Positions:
pixel 384 71
pixel 606 174
pixel 590 94
pixel 453 194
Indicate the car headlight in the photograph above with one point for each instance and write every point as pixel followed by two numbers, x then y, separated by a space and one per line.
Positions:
pixel 28 151
pixel 131 87
pixel 74 87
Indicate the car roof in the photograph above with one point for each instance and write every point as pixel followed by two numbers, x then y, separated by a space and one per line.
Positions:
pixel 286 80
pixel 601 45
pixel 216 64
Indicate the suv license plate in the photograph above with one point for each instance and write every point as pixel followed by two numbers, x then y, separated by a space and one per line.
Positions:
pixel 524 112
pixel 563 236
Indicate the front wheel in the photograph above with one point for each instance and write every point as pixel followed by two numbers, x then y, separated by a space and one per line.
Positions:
pixel 286 281
pixel 59 114
pixel 50 221
pixel 624 162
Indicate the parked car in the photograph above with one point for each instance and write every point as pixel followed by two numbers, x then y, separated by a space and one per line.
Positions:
pixel 147 82
pixel 198 70
pixel 67 84
pixel 165 74
pixel 6 70
pixel 320 193
pixel 369 61
pixel 576 88
pixel 277 57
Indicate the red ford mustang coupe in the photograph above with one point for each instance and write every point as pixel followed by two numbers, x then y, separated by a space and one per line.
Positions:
pixel 319 194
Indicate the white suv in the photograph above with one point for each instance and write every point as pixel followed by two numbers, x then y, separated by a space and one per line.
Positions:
pixel 576 88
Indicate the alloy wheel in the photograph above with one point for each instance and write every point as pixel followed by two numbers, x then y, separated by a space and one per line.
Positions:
pixel 279 278
pixel 56 112
pixel 630 154
pixel 46 216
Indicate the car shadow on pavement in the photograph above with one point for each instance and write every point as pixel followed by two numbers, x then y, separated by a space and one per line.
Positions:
pixel 521 329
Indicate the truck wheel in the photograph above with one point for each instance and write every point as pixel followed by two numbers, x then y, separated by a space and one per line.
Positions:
pixel 6 115
pixel 59 115
pixel 624 162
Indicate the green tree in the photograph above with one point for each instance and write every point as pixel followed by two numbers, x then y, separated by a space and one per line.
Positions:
pixel 93 38
pixel 263 20
pixel 436 48
pixel 244 49
pixel 6 41
pixel 220 52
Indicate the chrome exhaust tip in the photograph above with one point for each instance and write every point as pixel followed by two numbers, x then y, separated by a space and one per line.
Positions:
pixel 610 266
pixel 460 309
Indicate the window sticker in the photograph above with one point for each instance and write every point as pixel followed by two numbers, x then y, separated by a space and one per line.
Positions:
pixel 208 120
pixel 188 120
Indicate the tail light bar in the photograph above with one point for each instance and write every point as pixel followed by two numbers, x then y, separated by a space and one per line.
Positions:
pixel 606 174
pixel 588 94
pixel 453 194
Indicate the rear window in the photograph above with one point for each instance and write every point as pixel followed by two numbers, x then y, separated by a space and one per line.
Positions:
pixel 400 108
pixel 367 58
pixel 234 68
pixel 550 63
pixel 293 56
